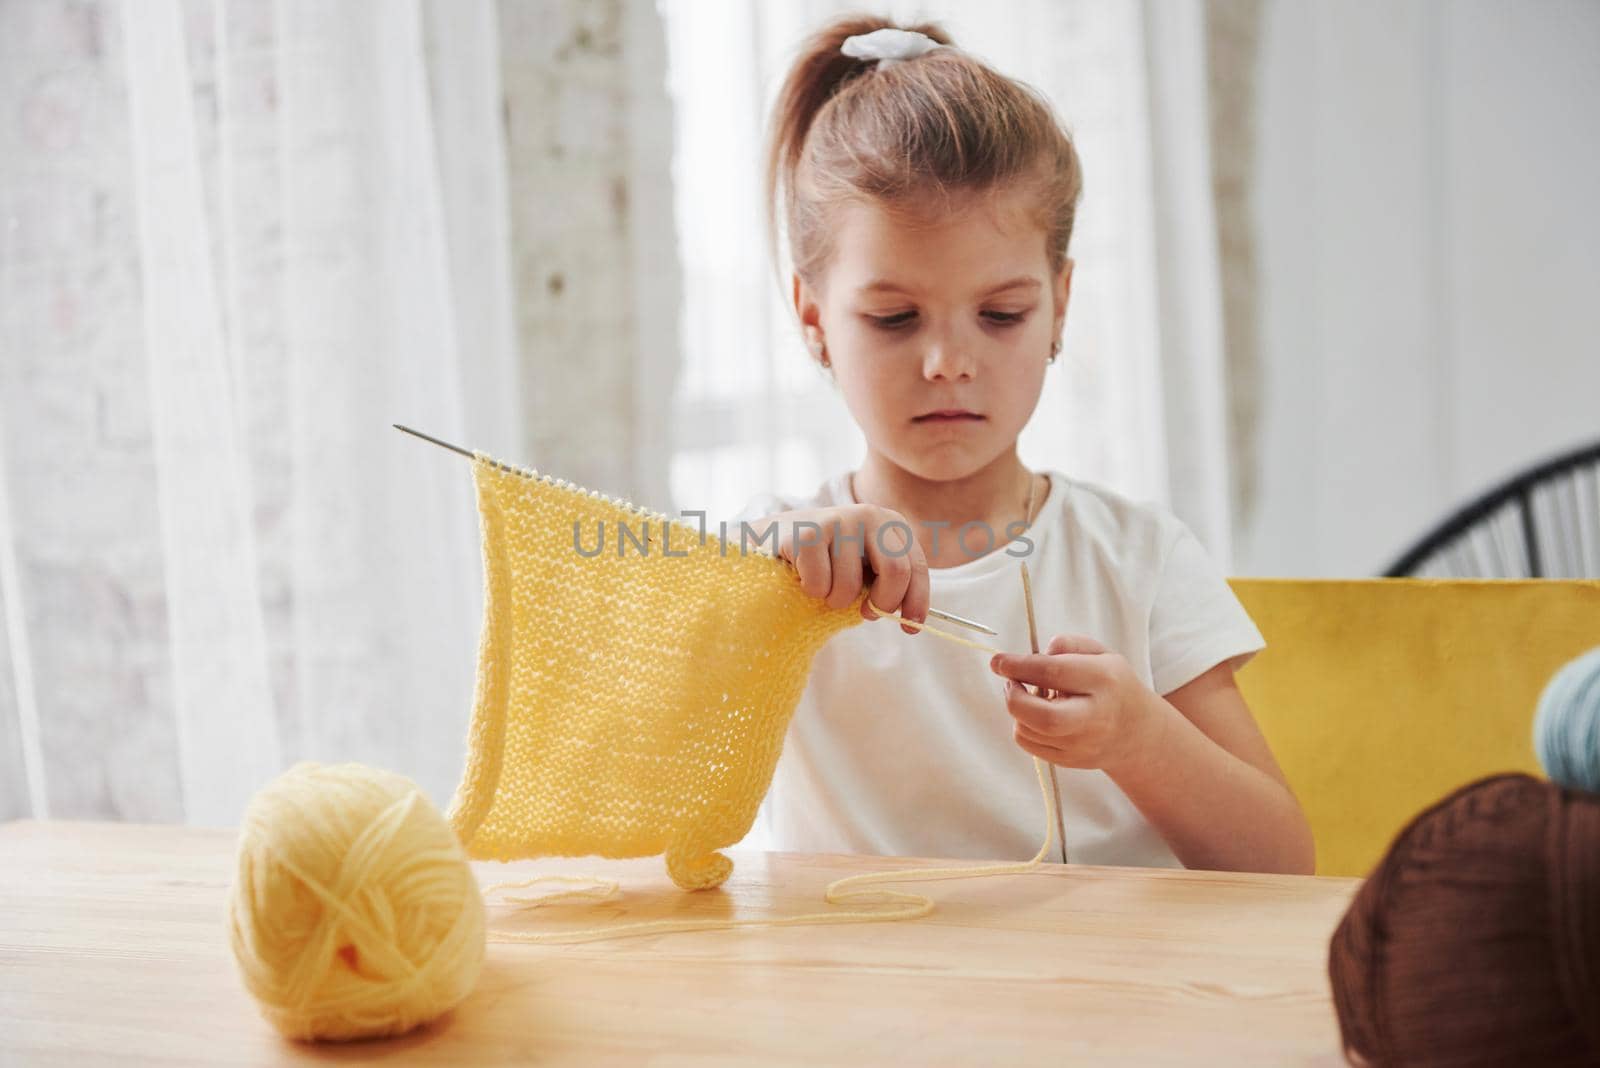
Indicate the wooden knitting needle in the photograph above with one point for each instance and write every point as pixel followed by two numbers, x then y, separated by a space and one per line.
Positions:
pixel 948 617
pixel 1033 640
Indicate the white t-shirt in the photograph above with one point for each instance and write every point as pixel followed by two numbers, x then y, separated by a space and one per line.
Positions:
pixel 901 744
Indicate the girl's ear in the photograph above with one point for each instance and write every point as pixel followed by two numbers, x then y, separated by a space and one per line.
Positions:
pixel 809 312
pixel 1062 291
pixel 805 304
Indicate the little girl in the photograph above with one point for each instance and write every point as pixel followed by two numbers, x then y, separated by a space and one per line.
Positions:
pixel 928 203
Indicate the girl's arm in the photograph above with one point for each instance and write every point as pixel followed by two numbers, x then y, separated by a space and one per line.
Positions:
pixel 1194 762
pixel 1210 784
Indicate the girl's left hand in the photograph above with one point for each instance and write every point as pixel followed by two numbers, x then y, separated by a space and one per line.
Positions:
pixel 1095 712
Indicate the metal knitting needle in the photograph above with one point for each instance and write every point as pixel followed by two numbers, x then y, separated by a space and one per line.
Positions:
pixel 948 617
pixel 434 440
pixel 1033 640
pixel 961 621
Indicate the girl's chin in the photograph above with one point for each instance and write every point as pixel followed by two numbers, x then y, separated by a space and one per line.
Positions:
pixel 942 462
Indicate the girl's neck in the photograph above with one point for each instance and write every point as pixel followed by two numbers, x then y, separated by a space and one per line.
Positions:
pixel 996 494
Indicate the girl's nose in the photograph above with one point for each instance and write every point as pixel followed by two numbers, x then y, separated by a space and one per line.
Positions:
pixel 947 360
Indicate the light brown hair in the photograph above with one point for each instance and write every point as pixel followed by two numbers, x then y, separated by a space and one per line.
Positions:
pixel 907 134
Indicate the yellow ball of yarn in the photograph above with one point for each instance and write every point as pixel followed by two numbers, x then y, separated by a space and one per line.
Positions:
pixel 353 912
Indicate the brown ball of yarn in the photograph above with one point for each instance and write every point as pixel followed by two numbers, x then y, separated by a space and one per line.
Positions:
pixel 1476 940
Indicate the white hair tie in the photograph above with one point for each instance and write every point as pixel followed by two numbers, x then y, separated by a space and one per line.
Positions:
pixel 888 46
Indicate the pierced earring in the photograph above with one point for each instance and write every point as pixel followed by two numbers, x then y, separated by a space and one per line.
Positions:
pixel 819 352
pixel 1055 350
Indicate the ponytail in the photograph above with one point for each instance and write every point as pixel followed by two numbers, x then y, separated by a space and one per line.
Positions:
pixel 819 72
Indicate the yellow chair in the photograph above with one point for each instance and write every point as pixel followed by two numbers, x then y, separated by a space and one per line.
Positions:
pixel 1381 695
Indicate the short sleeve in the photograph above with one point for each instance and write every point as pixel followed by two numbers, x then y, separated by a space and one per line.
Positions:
pixel 1196 621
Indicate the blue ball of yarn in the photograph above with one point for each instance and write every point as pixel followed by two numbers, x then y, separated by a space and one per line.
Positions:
pixel 1566 730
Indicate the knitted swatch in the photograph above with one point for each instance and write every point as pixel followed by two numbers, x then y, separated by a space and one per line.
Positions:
pixel 631 702
pixel 632 699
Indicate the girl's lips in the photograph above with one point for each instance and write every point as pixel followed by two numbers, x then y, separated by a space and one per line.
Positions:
pixel 948 417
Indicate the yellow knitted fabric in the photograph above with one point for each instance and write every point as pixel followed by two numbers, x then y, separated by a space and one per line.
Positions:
pixel 630 703
pixel 633 703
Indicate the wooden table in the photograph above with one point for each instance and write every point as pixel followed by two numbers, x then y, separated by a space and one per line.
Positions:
pixel 113 948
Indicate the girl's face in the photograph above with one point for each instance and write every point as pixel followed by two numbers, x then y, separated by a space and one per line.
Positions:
pixel 938 331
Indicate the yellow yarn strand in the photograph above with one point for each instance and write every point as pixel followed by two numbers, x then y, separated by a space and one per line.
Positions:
pixel 945 634
pixel 915 907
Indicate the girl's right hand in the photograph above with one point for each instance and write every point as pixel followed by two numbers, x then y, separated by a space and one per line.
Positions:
pixel 840 549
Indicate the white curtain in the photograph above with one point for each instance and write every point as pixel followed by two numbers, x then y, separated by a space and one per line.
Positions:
pixel 241 239
pixel 1136 403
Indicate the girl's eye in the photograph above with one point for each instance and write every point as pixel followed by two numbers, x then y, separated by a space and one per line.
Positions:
pixel 903 319
pixel 1004 318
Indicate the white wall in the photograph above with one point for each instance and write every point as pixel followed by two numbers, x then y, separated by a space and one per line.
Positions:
pixel 1427 200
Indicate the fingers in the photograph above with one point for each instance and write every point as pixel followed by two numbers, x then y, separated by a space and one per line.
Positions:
pixel 810 554
pixel 1074 643
pixel 1023 733
pixel 847 567
pixel 900 573
pixel 837 551
pixel 892 577
pixel 1043 752
pixel 915 605
pixel 1043 717
pixel 1042 749
pixel 1066 672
